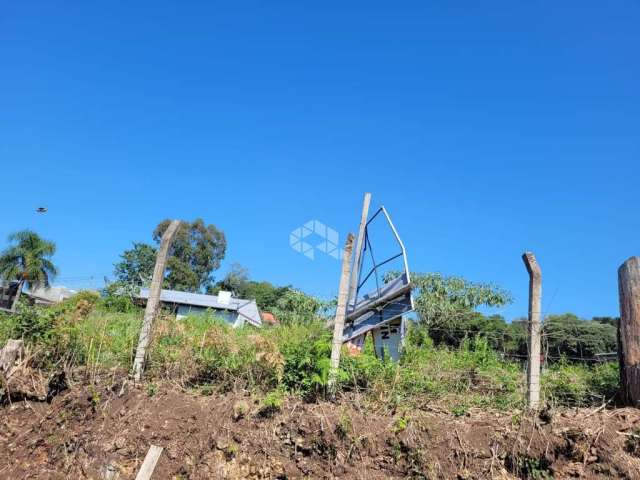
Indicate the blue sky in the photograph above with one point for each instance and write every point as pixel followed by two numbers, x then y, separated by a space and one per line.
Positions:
pixel 485 128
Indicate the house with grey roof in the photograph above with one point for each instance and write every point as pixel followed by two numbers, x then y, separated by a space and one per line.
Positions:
pixel 236 311
pixel 50 295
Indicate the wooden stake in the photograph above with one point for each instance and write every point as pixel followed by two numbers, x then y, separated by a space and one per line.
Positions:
pixel 353 287
pixel 14 305
pixel 535 303
pixel 154 299
pixel 9 354
pixel 629 331
pixel 341 310
pixel 149 464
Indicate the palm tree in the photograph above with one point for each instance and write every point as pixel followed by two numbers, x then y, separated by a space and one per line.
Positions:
pixel 28 260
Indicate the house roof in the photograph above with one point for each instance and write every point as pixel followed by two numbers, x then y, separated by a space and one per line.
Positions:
pixel 51 294
pixel 246 308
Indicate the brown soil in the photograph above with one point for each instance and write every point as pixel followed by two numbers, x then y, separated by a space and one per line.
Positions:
pixel 104 432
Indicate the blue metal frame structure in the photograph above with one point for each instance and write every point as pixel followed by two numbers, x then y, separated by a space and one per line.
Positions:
pixel 389 300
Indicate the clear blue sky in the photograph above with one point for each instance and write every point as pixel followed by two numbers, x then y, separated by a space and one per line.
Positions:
pixel 486 128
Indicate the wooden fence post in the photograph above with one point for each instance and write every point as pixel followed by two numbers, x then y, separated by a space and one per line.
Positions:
pixel 357 259
pixel 535 306
pixel 629 331
pixel 14 305
pixel 154 299
pixel 341 310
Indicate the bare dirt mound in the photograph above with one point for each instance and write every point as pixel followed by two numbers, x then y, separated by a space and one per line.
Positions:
pixel 104 433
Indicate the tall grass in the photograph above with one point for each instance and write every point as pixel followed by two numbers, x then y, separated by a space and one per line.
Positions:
pixel 206 353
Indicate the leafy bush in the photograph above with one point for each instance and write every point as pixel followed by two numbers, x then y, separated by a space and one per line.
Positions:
pixel 272 403
pixel 566 384
pixel 605 380
pixel 118 297
pixel 574 384
pixel 305 350
pixel 205 350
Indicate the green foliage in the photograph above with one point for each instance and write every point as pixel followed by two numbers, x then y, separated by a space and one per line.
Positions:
pixel 136 265
pixel 237 281
pixel 460 410
pixel 33 324
pixel 76 331
pixel 574 384
pixel 530 467
pixel 576 338
pixel 272 402
pixel 196 251
pixel 473 371
pixel 118 297
pixel 446 310
pixel 401 424
pixel 605 380
pixel 28 259
pixel 94 397
pixel 205 350
pixel 444 300
pixel 293 358
pixel 152 389
pixel 305 350
pixel 295 307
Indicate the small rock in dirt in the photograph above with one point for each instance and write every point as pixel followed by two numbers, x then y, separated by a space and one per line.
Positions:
pixel 222 444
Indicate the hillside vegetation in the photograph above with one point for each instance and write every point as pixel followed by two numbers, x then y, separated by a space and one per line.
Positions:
pixel 88 335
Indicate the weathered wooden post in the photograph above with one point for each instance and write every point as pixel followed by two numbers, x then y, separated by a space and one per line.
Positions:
pixel 154 299
pixel 535 306
pixel 341 310
pixel 357 259
pixel 629 331
pixel 14 304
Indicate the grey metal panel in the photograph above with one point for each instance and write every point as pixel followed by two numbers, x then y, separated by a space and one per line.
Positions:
pixel 389 290
pixel 199 299
pixel 375 317
pixel 245 308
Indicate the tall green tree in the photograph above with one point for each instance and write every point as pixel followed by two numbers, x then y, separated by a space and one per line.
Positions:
pixel 136 264
pixel 268 297
pixel 28 259
pixel 235 281
pixel 196 252
pixel 446 301
pixel 576 338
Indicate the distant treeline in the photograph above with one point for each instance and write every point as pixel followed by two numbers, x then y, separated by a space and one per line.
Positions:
pixel 563 336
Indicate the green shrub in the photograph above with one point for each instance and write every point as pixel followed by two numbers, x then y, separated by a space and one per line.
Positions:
pixel 272 403
pixel 202 349
pixel 473 371
pixel 605 380
pixel 566 384
pixel 575 384
pixel 305 351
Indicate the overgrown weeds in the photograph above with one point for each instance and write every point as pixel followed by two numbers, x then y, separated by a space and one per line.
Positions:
pixel 206 354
